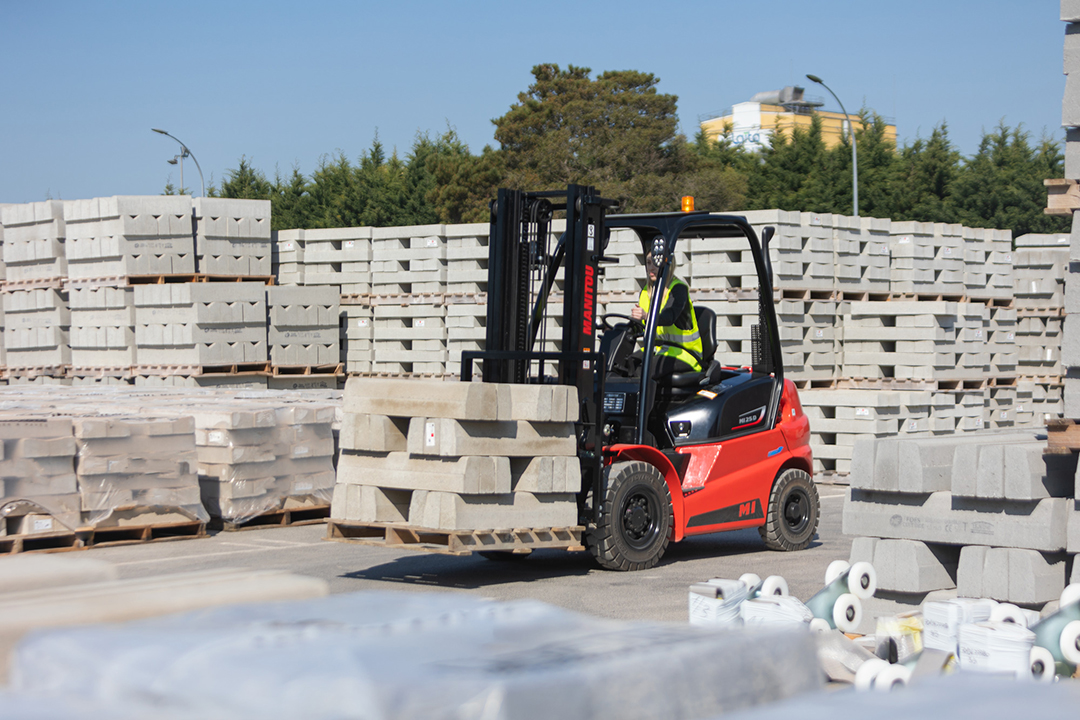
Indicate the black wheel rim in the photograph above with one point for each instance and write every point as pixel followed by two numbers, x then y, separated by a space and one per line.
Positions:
pixel 640 518
pixel 796 511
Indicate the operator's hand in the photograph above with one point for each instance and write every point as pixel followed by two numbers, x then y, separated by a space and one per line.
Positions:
pixel 637 313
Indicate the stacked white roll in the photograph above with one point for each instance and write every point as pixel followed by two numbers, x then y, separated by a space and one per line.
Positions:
pixel 996 647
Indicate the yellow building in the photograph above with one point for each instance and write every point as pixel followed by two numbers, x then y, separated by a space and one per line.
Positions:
pixel 753 123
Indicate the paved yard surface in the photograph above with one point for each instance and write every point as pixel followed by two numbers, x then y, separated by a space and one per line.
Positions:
pixel 569 580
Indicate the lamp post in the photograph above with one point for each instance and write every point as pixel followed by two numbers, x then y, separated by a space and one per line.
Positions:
pixel 184 152
pixel 854 150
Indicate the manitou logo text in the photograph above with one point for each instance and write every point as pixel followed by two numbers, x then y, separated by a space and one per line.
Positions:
pixel 590 301
pixel 747 509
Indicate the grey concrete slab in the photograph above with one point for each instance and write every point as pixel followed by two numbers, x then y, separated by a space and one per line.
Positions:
pixel 397 470
pixel 943 518
pixel 454 438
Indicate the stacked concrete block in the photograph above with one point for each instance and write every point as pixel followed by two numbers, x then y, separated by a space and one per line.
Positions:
pixel 466 330
pixel 408 260
pixel 356 333
pixel 40 493
pixel 1039 266
pixel 915 340
pixel 988 258
pixel 410 338
pixel 124 235
pixel 808 337
pixel 199 324
pixel 840 418
pixel 962 409
pixel 467 255
pixel 102 329
pixel 457 456
pixel 304 325
pixel 627 275
pixel 991 509
pixel 861 254
pixel 34 242
pixel 912 249
pixel 287 256
pixel 232 236
pixel 1001 342
pixel 256 458
pixel 132 469
pixel 339 257
pixel 803 247
pixel 37 322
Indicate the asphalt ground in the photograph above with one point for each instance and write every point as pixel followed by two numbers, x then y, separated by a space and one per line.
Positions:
pixel 571 580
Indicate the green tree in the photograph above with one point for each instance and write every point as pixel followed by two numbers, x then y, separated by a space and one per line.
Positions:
pixel 245 182
pixel 922 188
pixel 291 203
pixel 616 132
pixel 1001 186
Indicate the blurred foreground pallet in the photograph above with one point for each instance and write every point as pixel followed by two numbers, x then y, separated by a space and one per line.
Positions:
pixel 455 542
pixel 277 518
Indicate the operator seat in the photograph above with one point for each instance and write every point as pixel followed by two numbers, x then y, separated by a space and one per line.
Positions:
pixel 688 383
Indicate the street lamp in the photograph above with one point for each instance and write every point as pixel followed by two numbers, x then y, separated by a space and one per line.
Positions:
pixel 184 152
pixel 854 150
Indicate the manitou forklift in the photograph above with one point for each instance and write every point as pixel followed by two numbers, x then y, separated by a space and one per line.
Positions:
pixel 665 457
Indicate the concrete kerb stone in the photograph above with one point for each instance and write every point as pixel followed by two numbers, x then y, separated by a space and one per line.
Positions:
pixel 1015 575
pixel 454 438
pixel 942 518
pixel 451 511
pixel 401 471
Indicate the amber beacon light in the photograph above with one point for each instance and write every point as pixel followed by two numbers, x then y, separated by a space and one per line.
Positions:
pixel 688 203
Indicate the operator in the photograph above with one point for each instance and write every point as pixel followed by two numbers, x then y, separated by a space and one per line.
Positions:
pixel 676 323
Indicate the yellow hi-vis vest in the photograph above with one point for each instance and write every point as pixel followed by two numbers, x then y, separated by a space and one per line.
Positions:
pixel 690 339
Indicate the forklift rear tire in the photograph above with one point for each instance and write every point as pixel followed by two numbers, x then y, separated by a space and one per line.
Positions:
pixel 634 525
pixel 794 512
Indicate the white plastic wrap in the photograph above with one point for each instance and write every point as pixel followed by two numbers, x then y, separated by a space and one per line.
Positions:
pixel 135 469
pixel 416 655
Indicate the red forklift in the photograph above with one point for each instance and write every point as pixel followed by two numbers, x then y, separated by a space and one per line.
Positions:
pixel 666 457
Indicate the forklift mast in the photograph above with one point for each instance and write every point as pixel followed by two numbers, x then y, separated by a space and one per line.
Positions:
pixel 522 271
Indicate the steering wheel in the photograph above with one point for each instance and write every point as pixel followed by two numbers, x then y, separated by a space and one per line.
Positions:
pixel 636 326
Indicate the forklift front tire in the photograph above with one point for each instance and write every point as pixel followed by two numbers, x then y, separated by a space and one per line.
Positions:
pixel 794 510
pixel 634 525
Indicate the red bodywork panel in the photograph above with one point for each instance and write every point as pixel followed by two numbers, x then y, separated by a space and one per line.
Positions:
pixel 726 485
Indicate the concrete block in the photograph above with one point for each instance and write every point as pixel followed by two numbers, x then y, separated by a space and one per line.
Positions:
pixel 969 572
pixel 374 433
pixel 398 470
pixel 1070 11
pixel 862 550
pixel 450 511
pixel 546 474
pixel 453 438
pixel 1073 513
pixel 943 518
pixel 1011 575
pixel 912 566
pixel 424 398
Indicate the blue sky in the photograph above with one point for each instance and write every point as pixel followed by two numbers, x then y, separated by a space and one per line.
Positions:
pixel 285 83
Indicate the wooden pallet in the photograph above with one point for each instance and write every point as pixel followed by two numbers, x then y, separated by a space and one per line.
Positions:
pixel 132 534
pixel 335 370
pixel 455 542
pixel 1062 196
pixel 52 283
pixel 253 368
pixel 1062 436
pixel 14 371
pixel 48 542
pixel 313 515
